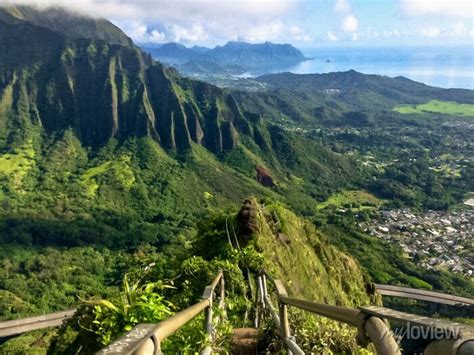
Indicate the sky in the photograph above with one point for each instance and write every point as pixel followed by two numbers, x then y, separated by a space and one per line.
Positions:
pixel 304 23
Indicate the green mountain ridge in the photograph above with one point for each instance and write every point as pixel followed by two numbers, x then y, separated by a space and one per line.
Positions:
pixel 74 25
pixel 356 88
pixel 233 57
pixel 103 91
pixel 125 123
pixel 105 152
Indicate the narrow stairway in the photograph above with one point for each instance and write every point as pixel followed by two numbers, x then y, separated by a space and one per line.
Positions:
pixel 245 341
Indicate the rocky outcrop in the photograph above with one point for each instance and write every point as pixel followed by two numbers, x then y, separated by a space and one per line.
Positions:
pixel 263 177
pixel 247 221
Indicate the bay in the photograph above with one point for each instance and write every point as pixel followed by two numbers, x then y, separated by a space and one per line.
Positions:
pixel 447 67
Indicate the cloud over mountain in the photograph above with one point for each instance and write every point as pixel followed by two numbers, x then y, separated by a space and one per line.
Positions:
pixel 301 22
pixel 191 20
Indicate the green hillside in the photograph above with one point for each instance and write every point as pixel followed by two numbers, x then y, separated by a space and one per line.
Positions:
pixel 436 106
pixel 112 164
pixel 304 258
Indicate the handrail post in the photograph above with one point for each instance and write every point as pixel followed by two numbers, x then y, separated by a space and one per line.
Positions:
pixel 209 294
pixel 264 282
pixel 157 345
pixel 284 325
pixel 208 320
pixel 256 305
pixel 222 293
pixel 262 291
pixel 381 336
pixel 361 338
pixel 283 308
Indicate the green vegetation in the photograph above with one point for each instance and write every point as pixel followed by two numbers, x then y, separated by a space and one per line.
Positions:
pixel 17 164
pixel 353 199
pixel 113 165
pixel 42 280
pixel 157 285
pixel 119 169
pixel 287 240
pixel 436 106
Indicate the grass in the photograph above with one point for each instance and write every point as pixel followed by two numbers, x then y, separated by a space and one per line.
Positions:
pixel 16 165
pixel 120 170
pixel 312 269
pixel 33 343
pixel 446 170
pixel 436 106
pixel 306 260
pixel 355 199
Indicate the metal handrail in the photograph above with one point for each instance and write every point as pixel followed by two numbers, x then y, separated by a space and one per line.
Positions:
pixel 280 319
pixel 145 339
pixel 370 328
pixel 371 323
pixel 423 295
pixel 346 315
pixel 19 326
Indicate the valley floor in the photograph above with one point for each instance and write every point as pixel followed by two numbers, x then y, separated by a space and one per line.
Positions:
pixel 435 239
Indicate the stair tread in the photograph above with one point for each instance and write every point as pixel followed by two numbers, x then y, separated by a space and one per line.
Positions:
pixel 245 341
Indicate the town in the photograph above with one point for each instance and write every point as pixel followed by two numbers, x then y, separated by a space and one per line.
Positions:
pixel 432 240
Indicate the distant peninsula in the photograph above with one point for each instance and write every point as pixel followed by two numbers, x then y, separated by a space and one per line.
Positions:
pixel 231 58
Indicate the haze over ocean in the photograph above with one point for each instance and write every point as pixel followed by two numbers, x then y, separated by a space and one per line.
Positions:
pixel 442 67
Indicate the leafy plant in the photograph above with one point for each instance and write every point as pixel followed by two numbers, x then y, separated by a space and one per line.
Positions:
pixel 139 303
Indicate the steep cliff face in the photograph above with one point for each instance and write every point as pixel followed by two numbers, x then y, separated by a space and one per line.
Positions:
pixel 105 95
pixel 104 90
pixel 60 71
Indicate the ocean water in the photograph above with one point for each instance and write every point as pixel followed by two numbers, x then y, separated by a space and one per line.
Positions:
pixel 441 67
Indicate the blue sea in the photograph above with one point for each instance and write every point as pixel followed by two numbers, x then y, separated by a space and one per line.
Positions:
pixel 441 67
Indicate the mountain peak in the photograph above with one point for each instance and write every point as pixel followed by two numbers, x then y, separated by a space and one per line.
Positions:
pixel 71 24
pixel 173 45
pixel 257 54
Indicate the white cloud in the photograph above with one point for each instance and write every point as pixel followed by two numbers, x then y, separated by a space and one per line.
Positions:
pixel 193 33
pixel 459 29
pixel 431 31
pixel 191 20
pixel 267 31
pixel 298 34
pixel 140 33
pixel 350 23
pixel 137 31
pixel 332 36
pixel 157 37
pixel 296 30
pixel 342 6
pixel 457 8
pixel 146 9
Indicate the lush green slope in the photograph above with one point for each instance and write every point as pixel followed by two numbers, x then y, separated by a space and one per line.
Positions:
pixel 365 91
pixel 303 259
pixel 436 106
pixel 106 152
pixel 102 147
pixel 94 132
